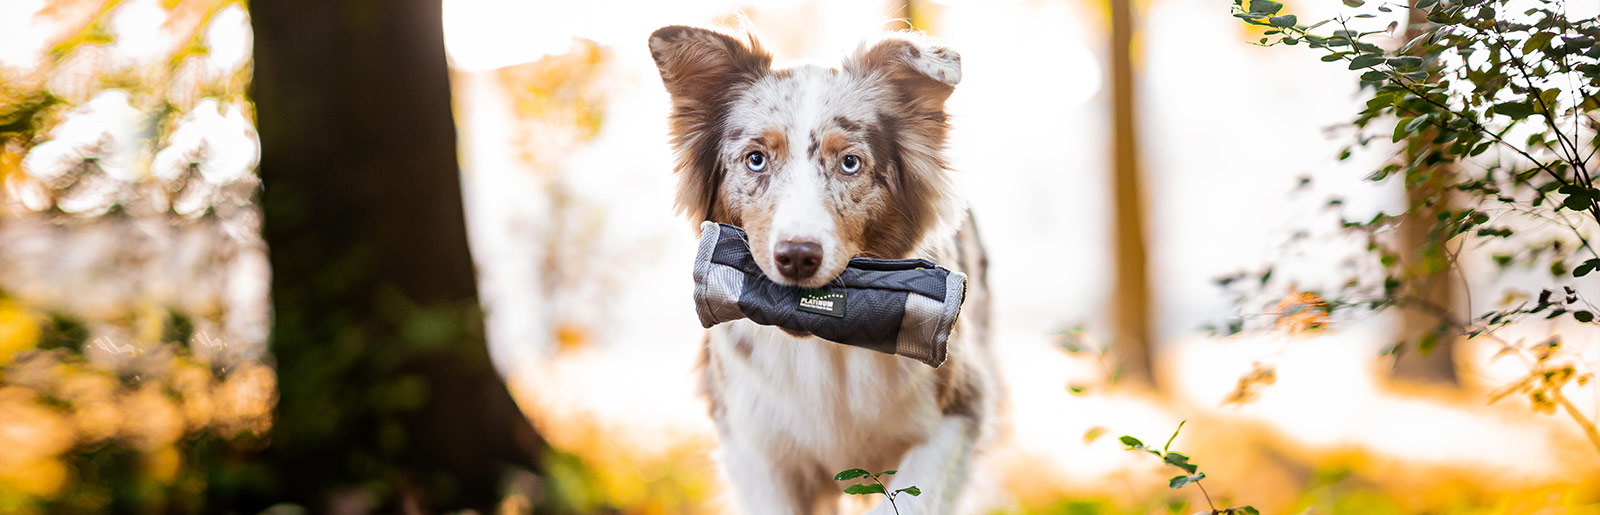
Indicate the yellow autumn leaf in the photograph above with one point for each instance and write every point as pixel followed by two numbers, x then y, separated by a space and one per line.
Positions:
pixel 19 330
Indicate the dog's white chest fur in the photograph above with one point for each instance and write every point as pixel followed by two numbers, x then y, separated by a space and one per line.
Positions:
pixel 841 406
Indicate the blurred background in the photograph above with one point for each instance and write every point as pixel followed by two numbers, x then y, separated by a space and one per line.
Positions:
pixel 420 256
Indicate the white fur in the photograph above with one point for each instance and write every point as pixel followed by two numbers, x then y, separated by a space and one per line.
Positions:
pixel 790 400
pixel 802 213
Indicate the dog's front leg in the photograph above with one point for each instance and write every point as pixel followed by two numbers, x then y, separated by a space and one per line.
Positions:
pixel 762 482
pixel 937 467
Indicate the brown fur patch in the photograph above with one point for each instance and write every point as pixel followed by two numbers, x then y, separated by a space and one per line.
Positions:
pixel 776 143
pixel 895 232
pixel 759 186
pixel 847 124
pixel 833 146
pixel 959 392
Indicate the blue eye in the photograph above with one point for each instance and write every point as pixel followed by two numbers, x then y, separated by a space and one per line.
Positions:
pixel 850 164
pixel 756 162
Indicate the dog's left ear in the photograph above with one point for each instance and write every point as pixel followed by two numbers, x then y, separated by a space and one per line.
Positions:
pixel 921 71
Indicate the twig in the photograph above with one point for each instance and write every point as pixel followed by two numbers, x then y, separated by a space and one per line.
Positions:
pixel 886 494
pixel 1588 427
pixel 1208 496
pixel 1443 315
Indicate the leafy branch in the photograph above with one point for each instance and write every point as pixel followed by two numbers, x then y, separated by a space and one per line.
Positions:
pixel 1192 474
pixel 1475 75
pixel 876 487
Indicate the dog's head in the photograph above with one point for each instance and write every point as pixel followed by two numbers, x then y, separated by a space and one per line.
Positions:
pixel 819 165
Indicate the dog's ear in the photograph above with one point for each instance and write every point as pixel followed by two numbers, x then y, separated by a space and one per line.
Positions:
pixel 703 71
pixel 699 65
pixel 921 72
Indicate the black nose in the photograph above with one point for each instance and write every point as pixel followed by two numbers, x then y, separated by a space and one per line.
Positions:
pixel 798 260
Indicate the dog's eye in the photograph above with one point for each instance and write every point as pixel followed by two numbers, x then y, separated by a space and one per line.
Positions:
pixel 756 162
pixel 850 164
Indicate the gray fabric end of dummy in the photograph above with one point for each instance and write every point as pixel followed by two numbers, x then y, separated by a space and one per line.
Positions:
pixel 925 330
pixel 716 288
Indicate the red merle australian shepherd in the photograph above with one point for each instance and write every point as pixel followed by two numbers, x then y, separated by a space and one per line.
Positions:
pixel 820 165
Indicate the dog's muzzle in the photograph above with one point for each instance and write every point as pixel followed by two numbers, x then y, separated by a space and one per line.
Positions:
pixel 905 307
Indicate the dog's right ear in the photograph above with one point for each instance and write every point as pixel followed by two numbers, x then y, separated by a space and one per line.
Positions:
pixel 698 65
pixel 703 70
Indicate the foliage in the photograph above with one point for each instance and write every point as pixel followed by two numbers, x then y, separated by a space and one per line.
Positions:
pixel 152 437
pixel 877 486
pixel 1192 474
pixel 126 399
pixel 1490 106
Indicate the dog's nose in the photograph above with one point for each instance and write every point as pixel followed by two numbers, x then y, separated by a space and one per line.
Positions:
pixel 798 260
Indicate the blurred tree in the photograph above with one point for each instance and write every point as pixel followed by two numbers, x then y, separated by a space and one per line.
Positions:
pixel 1130 286
pixel 388 399
pixel 1437 280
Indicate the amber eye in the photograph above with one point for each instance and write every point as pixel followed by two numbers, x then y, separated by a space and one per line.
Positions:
pixel 756 162
pixel 850 164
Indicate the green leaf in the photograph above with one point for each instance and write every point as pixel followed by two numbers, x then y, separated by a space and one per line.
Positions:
pixel 914 491
pixel 1583 316
pixel 885 473
pixel 1266 7
pixel 1174 435
pixel 1414 41
pixel 1182 481
pixel 1131 442
pixel 1406 62
pixel 1355 3
pixel 1365 61
pixel 1584 268
pixel 1538 41
pixel 1248 510
pixel 1515 110
pixel 1178 459
pixel 1400 131
pixel 1285 21
pixel 1373 76
pixel 1576 202
pixel 850 474
pixel 1416 124
pixel 864 489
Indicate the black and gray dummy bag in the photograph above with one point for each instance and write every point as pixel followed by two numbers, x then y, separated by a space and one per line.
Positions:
pixel 905 307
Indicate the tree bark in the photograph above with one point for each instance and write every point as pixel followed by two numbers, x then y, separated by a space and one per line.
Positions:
pixel 373 284
pixel 1130 314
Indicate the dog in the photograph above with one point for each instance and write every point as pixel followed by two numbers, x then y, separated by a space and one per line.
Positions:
pixel 820 165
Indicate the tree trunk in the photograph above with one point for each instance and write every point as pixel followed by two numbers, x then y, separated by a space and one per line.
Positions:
pixel 388 401
pixel 1432 362
pixel 1130 314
